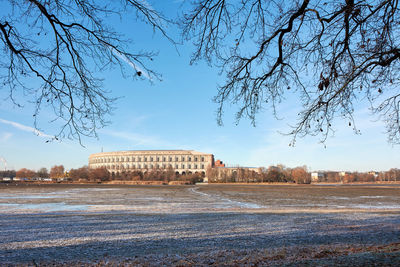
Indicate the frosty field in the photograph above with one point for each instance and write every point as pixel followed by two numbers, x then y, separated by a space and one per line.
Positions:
pixel 66 224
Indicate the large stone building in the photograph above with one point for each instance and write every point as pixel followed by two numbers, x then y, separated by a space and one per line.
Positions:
pixel 182 161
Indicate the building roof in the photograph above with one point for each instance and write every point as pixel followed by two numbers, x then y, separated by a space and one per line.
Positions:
pixel 148 152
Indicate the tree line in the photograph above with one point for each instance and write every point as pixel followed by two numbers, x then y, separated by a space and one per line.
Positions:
pixel 86 174
pixel 299 175
pixel 272 174
pixel 102 174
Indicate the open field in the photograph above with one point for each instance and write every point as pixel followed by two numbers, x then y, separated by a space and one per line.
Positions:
pixel 200 225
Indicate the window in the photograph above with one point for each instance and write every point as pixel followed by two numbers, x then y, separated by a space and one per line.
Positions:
pixel 183 158
pixel 145 166
pixel 157 166
pixel 113 159
pixel 122 159
pixel 195 159
pixel 195 166
pixel 139 159
pixel 183 166
pixel 176 159
pixel 164 159
pixel 202 158
pixel 151 166
pixel 189 159
pixel 163 166
pixel 169 165
pixel 127 159
pixel 139 166
pixel 170 159
pixel 176 166
pixel 117 159
pixel 151 159
pixel 158 159
pixel 133 159
pixel 145 159
pixel 189 166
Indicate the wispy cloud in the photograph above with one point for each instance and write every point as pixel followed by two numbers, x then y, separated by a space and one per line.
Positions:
pixel 134 66
pixel 25 128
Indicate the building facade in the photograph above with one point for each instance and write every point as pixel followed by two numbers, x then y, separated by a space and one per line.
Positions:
pixel 181 161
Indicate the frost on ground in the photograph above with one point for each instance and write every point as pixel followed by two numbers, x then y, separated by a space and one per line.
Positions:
pixel 185 226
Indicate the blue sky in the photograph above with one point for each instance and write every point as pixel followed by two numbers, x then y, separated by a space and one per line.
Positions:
pixel 178 113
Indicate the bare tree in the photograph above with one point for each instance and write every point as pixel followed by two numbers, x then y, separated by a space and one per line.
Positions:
pixel 51 50
pixel 333 54
pixel 42 173
pixel 57 171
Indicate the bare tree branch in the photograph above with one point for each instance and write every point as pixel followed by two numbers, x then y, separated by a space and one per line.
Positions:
pixel 332 53
pixel 59 44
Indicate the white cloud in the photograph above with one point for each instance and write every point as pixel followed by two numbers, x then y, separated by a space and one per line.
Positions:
pixel 131 63
pixel 25 128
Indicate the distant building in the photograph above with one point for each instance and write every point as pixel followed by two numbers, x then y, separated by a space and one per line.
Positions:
pixel 374 173
pixel 317 177
pixel 181 161
pixel 234 174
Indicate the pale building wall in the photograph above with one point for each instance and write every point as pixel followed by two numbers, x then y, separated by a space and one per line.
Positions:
pixel 144 160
